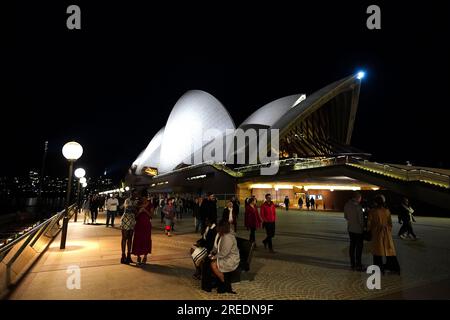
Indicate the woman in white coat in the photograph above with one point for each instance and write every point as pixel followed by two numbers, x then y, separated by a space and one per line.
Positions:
pixel 225 257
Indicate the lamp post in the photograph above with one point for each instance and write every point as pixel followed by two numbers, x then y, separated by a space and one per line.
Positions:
pixel 79 173
pixel 72 151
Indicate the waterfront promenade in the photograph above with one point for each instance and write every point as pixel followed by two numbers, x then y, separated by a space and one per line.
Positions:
pixel 310 263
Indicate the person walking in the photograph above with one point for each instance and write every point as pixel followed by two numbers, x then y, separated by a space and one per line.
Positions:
pixel 300 203
pixel 379 224
pixel 405 218
pixel 354 215
pixel 169 216
pixel 162 203
pixel 111 209
pixel 268 216
pixel 308 203
pixel 236 206
pixel 286 202
pixel 312 202
pixel 224 257
pixel 196 213
pixel 208 210
pixel 86 209
pixel 142 242
pixel 252 220
pixel 179 208
pixel 229 214
pixel 94 209
pixel 127 224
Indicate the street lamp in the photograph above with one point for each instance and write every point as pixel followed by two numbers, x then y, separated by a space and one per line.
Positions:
pixel 72 151
pixel 79 173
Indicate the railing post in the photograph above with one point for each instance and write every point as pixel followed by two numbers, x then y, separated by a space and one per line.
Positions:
pixel 15 256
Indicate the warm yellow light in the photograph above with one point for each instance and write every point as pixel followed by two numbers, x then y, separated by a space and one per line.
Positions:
pixel 283 186
pixel 331 188
pixel 150 171
pixel 260 186
pixel 375 188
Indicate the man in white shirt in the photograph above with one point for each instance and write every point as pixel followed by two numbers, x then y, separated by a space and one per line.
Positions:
pixel 111 206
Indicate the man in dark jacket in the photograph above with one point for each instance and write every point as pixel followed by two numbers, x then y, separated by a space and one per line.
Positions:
pixel 286 202
pixel 353 213
pixel 300 203
pixel 236 205
pixel 405 215
pixel 208 210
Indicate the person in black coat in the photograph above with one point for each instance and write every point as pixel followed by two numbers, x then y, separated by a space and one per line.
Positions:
pixel 204 272
pixel 405 218
pixel 208 210
pixel 300 203
pixel 94 208
pixel 286 202
pixel 236 205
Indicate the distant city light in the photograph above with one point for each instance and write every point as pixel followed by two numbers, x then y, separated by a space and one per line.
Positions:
pixel 360 75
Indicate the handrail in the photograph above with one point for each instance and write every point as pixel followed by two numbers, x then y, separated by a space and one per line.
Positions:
pixel 413 174
pixel 28 239
pixel 11 244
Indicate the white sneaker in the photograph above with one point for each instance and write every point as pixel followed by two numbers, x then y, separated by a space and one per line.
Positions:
pixel 402 236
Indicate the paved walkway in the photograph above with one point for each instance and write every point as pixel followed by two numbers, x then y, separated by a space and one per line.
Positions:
pixel 310 263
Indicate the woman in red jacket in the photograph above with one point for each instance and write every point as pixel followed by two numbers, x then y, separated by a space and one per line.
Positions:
pixel 252 219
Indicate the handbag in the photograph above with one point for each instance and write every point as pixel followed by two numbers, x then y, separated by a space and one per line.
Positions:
pixel 199 254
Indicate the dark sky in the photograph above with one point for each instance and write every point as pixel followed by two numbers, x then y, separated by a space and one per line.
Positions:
pixel 112 84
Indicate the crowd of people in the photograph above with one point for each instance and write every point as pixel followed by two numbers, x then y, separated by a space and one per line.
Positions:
pixel 310 203
pixel 216 254
pixel 218 242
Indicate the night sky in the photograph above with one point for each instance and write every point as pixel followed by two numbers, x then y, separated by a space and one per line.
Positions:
pixel 112 84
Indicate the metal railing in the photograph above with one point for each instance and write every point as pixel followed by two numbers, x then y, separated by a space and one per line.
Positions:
pixel 11 251
pixel 413 174
pixel 298 163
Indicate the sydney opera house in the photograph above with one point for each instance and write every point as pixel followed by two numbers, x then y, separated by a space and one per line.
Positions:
pixel 316 158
